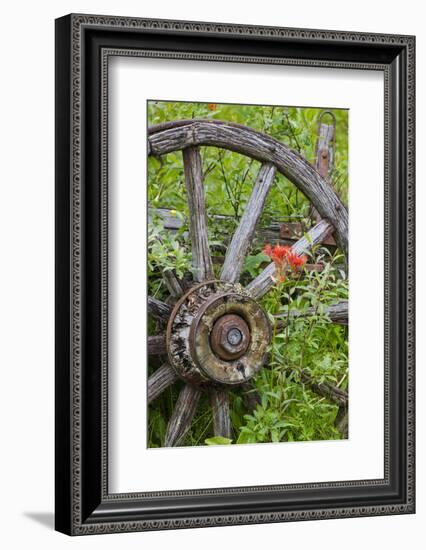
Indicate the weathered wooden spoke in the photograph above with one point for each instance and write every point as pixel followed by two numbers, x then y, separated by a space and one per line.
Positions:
pixel 182 415
pixel 157 345
pixel 160 381
pixel 219 400
pixel 201 259
pixel 243 236
pixel 158 309
pixel 264 282
pixel 173 284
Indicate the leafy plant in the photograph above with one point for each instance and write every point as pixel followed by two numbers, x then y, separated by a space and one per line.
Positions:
pixel 166 252
pixel 217 440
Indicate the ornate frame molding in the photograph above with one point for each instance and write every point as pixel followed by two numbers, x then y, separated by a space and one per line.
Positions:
pixel 84 508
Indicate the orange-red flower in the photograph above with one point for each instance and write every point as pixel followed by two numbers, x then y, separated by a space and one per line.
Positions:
pixel 268 250
pixel 212 106
pixel 295 261
pixel 284 256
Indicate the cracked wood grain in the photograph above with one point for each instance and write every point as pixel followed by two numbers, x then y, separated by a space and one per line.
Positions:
pixel 338 313
pixel 173 284
pixel 244 234
pixel 219 400
pixel 160 381
pixel 157 345
pixel 326 389
pixel 201 259
pixel 182 415
pixel 159 309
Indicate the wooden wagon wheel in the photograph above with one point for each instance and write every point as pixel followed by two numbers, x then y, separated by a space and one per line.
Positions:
pixel 217 334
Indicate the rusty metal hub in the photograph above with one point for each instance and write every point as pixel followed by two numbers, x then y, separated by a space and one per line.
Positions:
pixel 230 337
pixel 217 333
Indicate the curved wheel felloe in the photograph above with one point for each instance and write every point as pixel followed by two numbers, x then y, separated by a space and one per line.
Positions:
pixel 216 336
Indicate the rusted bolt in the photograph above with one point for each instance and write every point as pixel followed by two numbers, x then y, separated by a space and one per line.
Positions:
pixel 230 337
pixel 234 336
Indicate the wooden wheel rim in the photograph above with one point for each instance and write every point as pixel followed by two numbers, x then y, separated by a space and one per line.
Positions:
pixel 183 134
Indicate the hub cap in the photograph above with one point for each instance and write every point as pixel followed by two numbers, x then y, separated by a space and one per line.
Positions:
pixel 217 333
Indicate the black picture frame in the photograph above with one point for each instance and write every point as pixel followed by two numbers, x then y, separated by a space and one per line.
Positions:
pixel 83 45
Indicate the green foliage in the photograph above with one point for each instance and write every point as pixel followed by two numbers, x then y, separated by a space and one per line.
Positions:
pixel 166 252
pixel 306 342
pixel 253 262
pixel 217 440
pixel 289 410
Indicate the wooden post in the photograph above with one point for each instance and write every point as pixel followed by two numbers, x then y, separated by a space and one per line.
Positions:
pixel 324 153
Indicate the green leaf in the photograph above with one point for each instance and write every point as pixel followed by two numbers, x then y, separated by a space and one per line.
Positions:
pixel 252 263
pixel 246 437
pixel 218 440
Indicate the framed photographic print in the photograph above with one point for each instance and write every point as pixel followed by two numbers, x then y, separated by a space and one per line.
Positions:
pixel 234 274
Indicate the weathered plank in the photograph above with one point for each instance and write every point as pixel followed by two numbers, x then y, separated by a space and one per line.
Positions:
pixel 157 345
pixel 295 230
pixel 313 237
pixel 201 259
pixel 287 232
pixel 169 219
pixel 338 313
pixel 160 381
pixel 159 309
pixel 264 281
pixel 182 415
pixel 240 139
pixel 333 393
pixel 172 283
pixel 219 401
pixel 243 236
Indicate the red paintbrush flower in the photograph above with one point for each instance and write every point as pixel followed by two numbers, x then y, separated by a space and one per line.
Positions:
pixel 284 256
pixel 268 250
pixel 295 261
pixel 280 254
